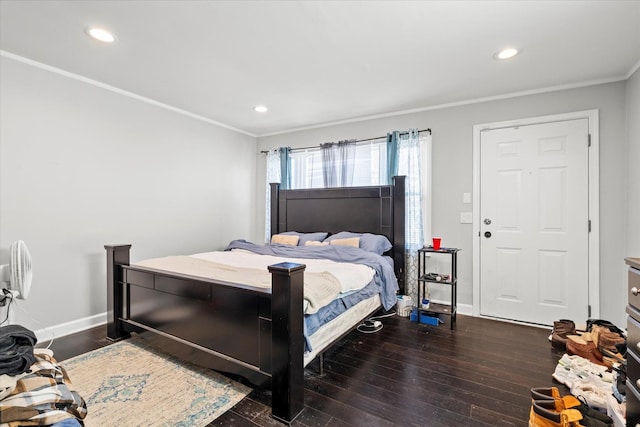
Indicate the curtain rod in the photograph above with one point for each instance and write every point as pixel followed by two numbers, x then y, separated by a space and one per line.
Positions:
pixel 356 141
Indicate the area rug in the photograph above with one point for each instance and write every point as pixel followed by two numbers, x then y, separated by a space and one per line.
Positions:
pixel 130 383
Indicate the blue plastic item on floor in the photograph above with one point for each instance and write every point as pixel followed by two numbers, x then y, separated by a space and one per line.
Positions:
pixel 69 422
pixel 425 318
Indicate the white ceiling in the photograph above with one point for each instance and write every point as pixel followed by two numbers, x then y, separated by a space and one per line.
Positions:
pixel 322 62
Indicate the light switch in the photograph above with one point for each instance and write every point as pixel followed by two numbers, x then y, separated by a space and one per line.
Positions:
pixel 466 217
pixel 466 197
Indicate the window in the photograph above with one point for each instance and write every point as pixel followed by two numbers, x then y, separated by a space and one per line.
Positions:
pixel 370 169
pixel 413 158
pixel 370 166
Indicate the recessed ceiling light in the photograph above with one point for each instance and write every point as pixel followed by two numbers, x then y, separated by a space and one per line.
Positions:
pixel 260 109
pixel 101 34
pixel 506 53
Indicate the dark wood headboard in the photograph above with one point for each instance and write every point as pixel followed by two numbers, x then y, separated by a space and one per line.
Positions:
pixel 375 209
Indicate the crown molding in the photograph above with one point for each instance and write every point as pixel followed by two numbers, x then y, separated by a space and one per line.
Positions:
pixel 119 91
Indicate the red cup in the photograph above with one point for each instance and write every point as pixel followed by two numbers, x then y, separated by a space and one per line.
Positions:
pixel 436 243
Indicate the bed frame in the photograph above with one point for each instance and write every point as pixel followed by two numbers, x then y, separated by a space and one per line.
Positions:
pixel 239 329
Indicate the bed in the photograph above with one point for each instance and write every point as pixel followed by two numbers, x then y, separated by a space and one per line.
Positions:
pixel 256 332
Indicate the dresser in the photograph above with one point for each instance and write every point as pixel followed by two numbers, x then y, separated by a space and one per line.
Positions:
pixel 633 343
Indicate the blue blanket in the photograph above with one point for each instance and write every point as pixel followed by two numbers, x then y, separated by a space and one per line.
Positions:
pixel 384 281
pixel 385 277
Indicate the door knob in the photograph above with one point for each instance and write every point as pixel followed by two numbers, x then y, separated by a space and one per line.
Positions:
pixel 487 234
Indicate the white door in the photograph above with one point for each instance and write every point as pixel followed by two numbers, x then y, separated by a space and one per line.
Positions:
pixel 534 222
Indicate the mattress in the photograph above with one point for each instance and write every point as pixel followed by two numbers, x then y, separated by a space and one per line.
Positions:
pixel 366 281
pixel 330 331
pixel 351 276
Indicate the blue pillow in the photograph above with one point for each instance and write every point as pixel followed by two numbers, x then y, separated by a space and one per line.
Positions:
pixel 342 235
pixel 307 237
pixel 369 242
pixel 376 243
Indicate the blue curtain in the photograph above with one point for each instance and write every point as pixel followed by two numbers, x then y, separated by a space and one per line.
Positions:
pixel 403 158
pixel 285 168
pixel 392 155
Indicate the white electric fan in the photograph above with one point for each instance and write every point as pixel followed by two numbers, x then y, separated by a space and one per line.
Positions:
pixel 15 280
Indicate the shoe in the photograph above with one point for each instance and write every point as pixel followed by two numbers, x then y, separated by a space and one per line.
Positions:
pixel 587 349
pixel 596 331
pixel 608 342
pixel 569 369
pixel 562 328
pixel 590 417
pixel 561 372
pixel 607 378
pixel 545 393
pixel 573 368
pixel 604 323
pixel 544 414
pixel 593 394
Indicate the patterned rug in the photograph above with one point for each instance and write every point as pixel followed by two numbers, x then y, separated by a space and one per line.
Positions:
pixel 131 384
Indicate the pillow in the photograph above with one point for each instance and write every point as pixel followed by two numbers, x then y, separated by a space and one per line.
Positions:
pixel 342 235
pixel 307 237
pixel 376 243
pixel 282 239
pixel 315 243
pixel 352 241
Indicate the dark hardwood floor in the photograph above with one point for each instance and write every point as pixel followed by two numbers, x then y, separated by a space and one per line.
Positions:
pixel 407 374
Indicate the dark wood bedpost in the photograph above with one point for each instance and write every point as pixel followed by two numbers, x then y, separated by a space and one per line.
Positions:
pixel 287 341
pixel 275 207
pixel 117 255
pixel 399 230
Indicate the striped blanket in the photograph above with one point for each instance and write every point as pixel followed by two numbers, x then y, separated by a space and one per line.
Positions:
pixel 41 397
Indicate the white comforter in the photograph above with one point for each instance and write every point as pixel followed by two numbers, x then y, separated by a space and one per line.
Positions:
pixel 324 279
pixel 352 277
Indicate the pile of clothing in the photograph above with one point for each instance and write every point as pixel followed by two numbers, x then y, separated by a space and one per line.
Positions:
pixel 593 368
pixel 34 389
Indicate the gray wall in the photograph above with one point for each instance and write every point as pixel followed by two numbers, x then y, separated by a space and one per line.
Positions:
pixel 633 165
pixel 452 170
pixel 66 188
pixel 82 166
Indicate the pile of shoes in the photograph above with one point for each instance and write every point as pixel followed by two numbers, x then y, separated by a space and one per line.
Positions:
pixel 610 340
pixel 586 380
pixel 593 368
pixel 602 343
pixel 550 409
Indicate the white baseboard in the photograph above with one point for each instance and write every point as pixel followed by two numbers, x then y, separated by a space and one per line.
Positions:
pixel 465 309
pixel 68 328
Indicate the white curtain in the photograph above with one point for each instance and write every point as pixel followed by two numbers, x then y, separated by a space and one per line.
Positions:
pixel 408 163
pixel 273 175
pixel 338 163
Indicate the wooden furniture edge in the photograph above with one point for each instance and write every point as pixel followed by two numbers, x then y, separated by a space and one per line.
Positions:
pixel 285 327
pixel 117 256
pixel 287 337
